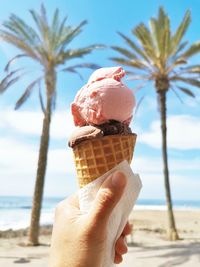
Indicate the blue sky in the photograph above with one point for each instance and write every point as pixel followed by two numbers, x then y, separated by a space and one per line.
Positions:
pixel 20 130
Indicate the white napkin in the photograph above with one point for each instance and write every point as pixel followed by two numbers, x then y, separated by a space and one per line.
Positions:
pixel 120 214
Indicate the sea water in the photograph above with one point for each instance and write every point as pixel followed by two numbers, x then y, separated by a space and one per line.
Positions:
pixel 15 212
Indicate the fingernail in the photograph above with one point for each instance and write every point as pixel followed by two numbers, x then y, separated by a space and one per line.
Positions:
pixel 118 180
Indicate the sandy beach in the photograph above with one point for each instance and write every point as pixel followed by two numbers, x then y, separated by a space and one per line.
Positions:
pixel 147 245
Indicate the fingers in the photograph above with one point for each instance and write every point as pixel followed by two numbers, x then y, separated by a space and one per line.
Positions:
pixel 118 258
pixel 121 246
pixel 107 197
pixel 127 229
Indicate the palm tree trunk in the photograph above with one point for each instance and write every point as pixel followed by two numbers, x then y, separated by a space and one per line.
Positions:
pixel 50 80
pixel 172 232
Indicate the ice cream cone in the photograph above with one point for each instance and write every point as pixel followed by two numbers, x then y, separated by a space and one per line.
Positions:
pixel 95 157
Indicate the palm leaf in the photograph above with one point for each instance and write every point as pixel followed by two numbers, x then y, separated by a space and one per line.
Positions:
pixel 179 48
pixel 161 34
pixel 62 27
pixel 22 30
pixel 9 80
pixel 44 15
pixel 131 63
pixel 27 93
pixel 179 61
pixel 12 60
pixel 70 35
pixel 41 20
pixel 190 81
pixel 73 71
pixel 145 38
pixel 125 52
pixel 177 95
pixel 186 91
pixel 194 69
pixel 10 38
pixel 177 37
pixel 41 97
pixel 135 47
pixel 75 53
pixel 192 50
pixel 155 29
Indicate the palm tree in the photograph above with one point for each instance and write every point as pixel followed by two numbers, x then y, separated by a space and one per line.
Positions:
pixel 46 45
pixel 162 57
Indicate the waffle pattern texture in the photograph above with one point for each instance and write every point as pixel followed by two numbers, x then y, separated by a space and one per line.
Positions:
pixel 95 157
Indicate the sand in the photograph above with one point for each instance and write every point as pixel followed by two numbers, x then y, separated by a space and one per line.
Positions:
pixel 147 245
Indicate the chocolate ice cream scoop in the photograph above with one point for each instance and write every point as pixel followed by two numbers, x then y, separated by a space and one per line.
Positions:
pixel 84 133
pixel 96 131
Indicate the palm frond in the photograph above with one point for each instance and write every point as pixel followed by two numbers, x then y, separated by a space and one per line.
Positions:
pixel 72 70
pixel 41 97
pixel 131 63
pixel 44 15
pixel 192 50
pixel 9 80
pixel 186 91
pixel 12 60
pixel 177 95
pixel 12 39
pixel 177 37
pixel 179 48
pixel 179 61
pixel 125 52
pixel 69 35
pixel 161 35
pixel 145 38
pixel 191 81
pixel 22 30
pixel 41 20
pixel 75 53
pixel 26 94
pixel 135 47
pixel 193 69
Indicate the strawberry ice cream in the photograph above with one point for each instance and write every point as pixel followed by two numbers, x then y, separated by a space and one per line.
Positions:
pixel 104 98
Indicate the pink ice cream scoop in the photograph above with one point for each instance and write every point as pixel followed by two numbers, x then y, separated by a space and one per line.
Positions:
pixel 103 98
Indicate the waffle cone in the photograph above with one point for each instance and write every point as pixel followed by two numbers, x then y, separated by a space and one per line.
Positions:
pixel 95 157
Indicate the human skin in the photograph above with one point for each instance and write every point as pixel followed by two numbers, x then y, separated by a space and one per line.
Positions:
pixel 78 240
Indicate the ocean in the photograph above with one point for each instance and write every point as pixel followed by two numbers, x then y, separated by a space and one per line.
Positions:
pixel 15 211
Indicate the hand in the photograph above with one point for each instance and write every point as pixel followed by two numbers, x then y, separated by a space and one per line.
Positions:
pixel 78 240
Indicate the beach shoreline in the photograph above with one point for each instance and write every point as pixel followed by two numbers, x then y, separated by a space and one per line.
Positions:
pixel 147 244
pixel 187 221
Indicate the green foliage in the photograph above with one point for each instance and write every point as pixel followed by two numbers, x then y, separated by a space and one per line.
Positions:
pixel 47 44
pixel 159 55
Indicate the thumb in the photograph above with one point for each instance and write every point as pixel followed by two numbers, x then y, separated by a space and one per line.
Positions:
pixel 107 198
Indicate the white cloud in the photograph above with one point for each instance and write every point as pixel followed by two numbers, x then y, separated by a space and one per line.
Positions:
pixel 184 177
pixel 18 165
pixel 183 133
pixel 30 123
pixel 22 158
pixel 182 187
pixel 148 165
